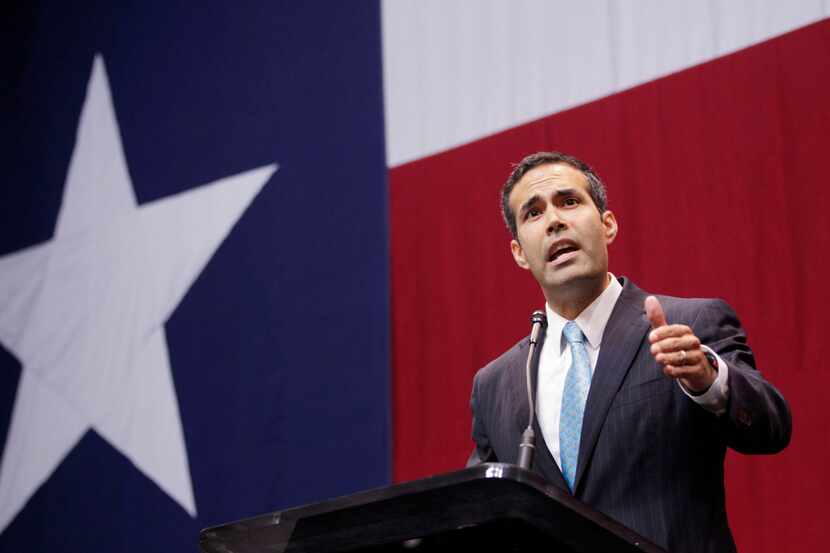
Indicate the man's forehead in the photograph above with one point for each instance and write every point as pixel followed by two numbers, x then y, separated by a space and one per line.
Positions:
pixel 560 175
pixel 548 171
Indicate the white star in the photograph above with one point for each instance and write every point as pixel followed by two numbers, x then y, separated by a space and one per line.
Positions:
pixel 85 312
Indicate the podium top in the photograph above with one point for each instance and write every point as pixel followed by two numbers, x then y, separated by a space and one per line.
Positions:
pixel 491 506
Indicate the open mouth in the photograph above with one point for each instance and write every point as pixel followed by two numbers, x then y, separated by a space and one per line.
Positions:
pixel 561 248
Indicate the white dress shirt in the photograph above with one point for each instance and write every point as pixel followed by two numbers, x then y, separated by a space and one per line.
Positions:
pixel 555 360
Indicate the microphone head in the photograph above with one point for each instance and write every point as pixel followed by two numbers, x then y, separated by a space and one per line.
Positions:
pixel 539 317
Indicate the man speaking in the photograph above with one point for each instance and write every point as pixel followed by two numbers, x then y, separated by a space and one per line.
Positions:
pixel 637 396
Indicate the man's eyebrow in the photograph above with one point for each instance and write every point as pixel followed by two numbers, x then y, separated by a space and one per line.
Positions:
pixel 529 203
pixel 565 192
pixel 536 197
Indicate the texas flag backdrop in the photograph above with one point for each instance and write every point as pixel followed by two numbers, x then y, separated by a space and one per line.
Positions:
pixel 251 253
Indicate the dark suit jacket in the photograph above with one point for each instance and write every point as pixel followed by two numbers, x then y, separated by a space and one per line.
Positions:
pixel 649 456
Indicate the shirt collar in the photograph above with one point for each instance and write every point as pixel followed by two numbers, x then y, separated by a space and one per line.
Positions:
pixel 591 321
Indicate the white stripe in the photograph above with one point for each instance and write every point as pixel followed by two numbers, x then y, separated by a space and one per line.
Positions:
pixel 456 71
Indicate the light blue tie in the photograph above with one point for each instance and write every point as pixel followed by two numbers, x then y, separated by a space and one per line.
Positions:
pixel 574 396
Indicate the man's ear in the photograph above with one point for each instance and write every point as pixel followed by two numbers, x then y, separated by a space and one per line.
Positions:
pixel 609 221
pixel 518 254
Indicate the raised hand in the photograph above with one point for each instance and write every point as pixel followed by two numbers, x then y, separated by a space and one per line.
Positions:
pixel 678 349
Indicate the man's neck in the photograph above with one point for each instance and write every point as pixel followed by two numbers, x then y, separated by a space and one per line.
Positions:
pixel 571 304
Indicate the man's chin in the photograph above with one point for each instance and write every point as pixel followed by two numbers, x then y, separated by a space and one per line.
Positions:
pixel 569 281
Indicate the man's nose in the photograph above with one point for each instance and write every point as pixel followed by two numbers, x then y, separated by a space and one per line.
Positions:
pixel 555 221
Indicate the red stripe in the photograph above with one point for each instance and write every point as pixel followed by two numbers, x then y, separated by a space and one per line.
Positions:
pixel 717 175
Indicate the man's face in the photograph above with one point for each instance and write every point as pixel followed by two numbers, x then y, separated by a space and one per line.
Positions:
pixel 563 238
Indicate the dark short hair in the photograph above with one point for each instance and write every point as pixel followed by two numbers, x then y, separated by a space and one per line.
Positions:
pixel 595 187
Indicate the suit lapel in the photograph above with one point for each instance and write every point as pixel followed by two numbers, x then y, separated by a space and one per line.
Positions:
pixel 544 463
pixel 622 338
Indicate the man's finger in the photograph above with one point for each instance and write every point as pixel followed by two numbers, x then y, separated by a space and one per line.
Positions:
pixel 669 331
pixel 684 342
pixel 679 359
pixel 654 312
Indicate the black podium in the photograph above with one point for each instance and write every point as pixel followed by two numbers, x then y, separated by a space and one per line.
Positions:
pixel 489 508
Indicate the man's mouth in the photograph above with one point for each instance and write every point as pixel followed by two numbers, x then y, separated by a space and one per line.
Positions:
pixel 560 248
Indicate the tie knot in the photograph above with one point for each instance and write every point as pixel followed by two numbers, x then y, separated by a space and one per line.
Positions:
pixel 573 334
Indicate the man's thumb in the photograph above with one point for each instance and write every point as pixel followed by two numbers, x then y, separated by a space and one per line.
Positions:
pixel 654 312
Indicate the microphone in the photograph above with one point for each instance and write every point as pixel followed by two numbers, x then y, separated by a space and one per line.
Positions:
pixel 528 444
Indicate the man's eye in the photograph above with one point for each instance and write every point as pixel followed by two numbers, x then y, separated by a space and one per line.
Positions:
pixel 571 201
pixel 533 212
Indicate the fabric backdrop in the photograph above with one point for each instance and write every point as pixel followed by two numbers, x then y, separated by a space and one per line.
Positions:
pixel 251 254
pixel 194 279
pixel 713 144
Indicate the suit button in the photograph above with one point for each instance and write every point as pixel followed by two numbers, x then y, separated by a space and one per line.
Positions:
pixel 743 416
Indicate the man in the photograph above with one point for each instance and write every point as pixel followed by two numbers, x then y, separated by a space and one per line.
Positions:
pixel 637 396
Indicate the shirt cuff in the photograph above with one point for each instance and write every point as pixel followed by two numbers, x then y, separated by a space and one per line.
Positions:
pixel 716 397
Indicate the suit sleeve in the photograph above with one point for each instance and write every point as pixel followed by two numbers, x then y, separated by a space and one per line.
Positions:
pixel 757 417
pixel 482 451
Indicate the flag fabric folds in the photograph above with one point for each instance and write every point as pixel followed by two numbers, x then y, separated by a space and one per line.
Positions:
pixel 251 255
pixel 193 269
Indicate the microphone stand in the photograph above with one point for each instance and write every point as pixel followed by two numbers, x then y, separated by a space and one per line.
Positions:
pixel 528 444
